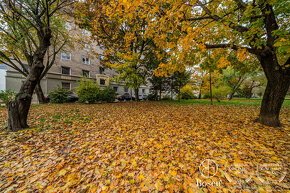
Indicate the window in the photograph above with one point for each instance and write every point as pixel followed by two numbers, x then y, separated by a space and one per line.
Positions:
pixel 102 81
pixel 102 57
pixel 115 88
pixel 65 70
pixel 85 60
pixel 86 73
pixel 87 47
pixel 65 56
pixel 143 91
pixel 102 70
pixel 65 85
pixel 102 46
pixel 126 89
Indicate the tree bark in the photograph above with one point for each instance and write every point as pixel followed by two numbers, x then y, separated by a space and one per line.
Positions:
pixel 199 94
pixel 137 94
pixel 19 108
pixel 179 93
pixel 236 88
pixel 210 89
pixel 39 93
pixel 160 92
pixel 231 95
pixel 277 86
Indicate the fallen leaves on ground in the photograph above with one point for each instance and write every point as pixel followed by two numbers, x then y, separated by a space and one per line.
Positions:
pixel 143 147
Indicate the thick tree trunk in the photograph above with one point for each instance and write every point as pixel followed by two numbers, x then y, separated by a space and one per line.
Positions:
pixel 19 108
pixel 272 101
pixel 276 90
pixel 137 94
pixel 39 93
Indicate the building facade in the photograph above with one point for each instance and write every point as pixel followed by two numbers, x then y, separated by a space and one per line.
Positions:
pixel 69 68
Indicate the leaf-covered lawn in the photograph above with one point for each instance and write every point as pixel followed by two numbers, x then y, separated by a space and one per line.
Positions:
pixel 146 146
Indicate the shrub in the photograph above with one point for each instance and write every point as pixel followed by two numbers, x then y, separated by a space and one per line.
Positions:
pixel 221 92
pixel 108 94
pixel 88 91
pixel 59 95
pixel 153 97
pixel 166 97
pixel 7 96
pixel 187 92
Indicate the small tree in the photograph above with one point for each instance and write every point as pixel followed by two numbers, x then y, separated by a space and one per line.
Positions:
pixel 88 91
pixel 179 79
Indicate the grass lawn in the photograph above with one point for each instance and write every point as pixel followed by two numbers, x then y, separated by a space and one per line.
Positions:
pixel 235 101
pixel 146 146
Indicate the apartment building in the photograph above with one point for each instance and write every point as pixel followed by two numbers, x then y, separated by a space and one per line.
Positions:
pixel 71 66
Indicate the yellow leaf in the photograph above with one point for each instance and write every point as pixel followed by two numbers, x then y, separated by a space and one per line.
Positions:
pixel 172 172
pixel 62 172
pixel 7 164
pixel 141 177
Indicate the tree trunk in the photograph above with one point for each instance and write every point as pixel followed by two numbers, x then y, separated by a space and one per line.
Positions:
pixel 137 94
pixel 276 90
pixel 231 95
pixel 240 81
pixel 218 100
pixel 272 101
pixel 210 89
pixel 199 94
pixel 39 93
pixel 19 108
pixel 160 92
pixel 249 94
pixel 179 93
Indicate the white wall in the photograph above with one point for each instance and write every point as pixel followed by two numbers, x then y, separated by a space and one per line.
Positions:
pixel 2 79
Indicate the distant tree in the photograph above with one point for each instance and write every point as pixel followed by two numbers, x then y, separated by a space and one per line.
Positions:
pixel 179 80
pixel 27 28
pixel 235 74
pixel 159 83
pixel 187 92
pixel 124 40
pixel 256 80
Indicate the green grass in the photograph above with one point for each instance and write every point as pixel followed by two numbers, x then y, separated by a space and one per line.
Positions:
pixel 236 102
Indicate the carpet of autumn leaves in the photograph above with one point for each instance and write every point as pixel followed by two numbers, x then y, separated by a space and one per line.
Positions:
pixel 146 146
